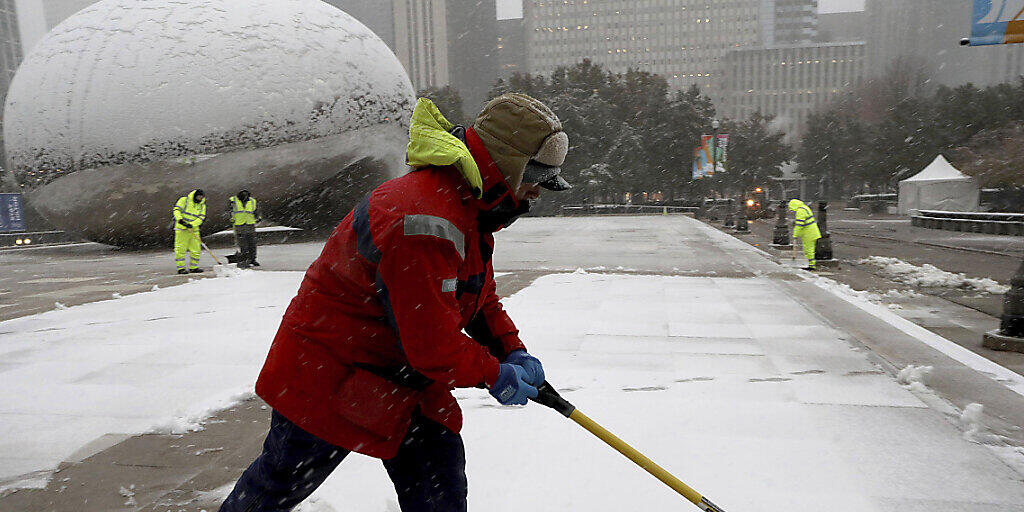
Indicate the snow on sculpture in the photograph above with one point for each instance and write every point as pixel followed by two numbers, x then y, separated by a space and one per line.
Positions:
pixel 130 104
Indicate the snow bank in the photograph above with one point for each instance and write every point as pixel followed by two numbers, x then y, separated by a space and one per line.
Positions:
pixel 929 276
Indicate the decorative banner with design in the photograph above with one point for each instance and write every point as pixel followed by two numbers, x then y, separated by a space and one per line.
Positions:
pixel 997 22
pixel 12 218
pixel 702 158
pixel 709 155
pixel 722 152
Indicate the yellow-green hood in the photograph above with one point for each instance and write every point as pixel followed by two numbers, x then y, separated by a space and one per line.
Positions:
pixel 430 144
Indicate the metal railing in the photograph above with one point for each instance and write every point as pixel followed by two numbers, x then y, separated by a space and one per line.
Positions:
pixel 622 209
pixel 970 222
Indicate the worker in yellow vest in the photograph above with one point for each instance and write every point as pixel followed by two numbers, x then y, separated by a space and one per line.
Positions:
pixel 806 230
pixel 189 214
pixel 244 216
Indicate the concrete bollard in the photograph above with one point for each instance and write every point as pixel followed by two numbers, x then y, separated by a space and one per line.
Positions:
pixel 780 236
pixel 1010 335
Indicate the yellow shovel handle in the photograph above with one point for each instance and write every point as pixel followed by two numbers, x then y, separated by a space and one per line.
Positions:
pixel 641 460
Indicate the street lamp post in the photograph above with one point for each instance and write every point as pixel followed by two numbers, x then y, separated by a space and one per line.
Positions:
pixel 729 219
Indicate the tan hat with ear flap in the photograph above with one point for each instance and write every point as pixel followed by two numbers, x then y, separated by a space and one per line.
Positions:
pixel 518 130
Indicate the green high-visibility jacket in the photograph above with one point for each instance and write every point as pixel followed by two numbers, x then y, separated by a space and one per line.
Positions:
pixel 243 213
pixel 430 145
pixel 190 211
pixel 806 227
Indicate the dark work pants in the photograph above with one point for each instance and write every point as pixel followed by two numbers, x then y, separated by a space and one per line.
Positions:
pixel 429 472
pixel 246 239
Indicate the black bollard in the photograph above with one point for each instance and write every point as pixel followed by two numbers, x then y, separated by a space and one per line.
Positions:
pixel 1010 335
pixel 729 217
pixel 823 246
pixel 741 220
pixel 780 236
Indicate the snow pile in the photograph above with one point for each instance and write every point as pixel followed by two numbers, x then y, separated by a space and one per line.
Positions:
pixel 974 428
pixel 230 271
pixel 872 297
pixel 930 276
pixel 912 377
pixel 128 492
pixel 901 294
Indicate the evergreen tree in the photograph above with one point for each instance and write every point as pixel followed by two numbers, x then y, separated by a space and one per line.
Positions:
pixel 448 101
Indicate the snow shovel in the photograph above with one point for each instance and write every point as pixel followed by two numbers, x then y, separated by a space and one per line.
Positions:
pixel 546 395
pixel 208 251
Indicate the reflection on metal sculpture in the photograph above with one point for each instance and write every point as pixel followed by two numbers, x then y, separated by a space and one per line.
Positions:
pixel 128 104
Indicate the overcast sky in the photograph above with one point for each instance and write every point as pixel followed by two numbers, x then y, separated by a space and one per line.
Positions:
pixel 514 8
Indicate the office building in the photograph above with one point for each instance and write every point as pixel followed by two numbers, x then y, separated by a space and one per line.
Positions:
pixel 790 81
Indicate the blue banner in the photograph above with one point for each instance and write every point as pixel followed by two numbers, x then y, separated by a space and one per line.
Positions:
pixel 997 22
pixel 12 216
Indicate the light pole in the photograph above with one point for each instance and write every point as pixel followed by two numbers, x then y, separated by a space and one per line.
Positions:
pixel 714 145
pixel 728 219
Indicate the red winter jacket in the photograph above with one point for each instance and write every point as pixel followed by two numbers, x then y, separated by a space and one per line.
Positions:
pixel 375 330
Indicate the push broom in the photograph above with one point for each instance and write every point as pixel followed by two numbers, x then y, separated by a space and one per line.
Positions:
pixel 546 395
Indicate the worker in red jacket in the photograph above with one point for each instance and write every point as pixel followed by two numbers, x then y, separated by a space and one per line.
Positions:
pixel 372 345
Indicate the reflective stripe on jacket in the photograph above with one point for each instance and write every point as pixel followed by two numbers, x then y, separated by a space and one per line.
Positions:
pixel 241 213
pixel 806 227
pixel 187 209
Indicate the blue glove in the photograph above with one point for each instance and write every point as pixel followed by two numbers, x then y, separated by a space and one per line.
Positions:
pixel 511 388
pixel 534 370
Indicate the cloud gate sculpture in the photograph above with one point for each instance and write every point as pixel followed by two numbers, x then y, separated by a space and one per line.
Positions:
pixel 129 104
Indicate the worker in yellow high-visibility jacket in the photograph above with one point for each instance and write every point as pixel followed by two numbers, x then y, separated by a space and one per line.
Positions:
pixel 244 216
pixel 189 214
pixel 806 230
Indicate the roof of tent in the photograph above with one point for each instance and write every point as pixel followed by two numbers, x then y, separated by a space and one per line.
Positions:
pixel 939 170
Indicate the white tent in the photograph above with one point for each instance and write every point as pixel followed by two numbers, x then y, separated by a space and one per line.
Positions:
pixel 940 186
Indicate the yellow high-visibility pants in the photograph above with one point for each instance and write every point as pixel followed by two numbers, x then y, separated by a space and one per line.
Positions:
pixel 809 244
pixel 186 240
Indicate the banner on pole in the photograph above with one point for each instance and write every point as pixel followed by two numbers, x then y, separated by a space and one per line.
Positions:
pixel 12 217
pixel 722 152
pixel 997 22
pixel 710 156
pixel 702 166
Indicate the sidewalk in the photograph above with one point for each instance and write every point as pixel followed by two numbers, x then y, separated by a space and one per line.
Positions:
pixel 750 381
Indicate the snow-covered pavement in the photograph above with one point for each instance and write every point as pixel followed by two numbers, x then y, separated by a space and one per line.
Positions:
pixel 742 394
pixel 159 359
pixel 717 372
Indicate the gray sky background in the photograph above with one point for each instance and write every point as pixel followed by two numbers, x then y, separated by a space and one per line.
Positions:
pixel 514 8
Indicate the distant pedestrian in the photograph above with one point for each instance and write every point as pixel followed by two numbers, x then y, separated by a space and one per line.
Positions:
pixel 244 216
pixel 806 230
pixel 189 214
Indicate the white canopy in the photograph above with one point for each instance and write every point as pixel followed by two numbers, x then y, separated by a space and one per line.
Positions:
pixel 940 186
